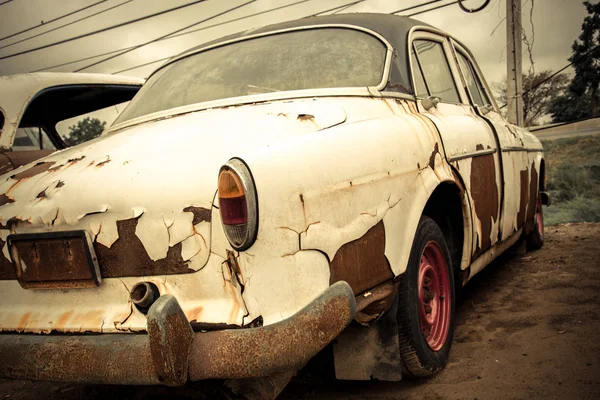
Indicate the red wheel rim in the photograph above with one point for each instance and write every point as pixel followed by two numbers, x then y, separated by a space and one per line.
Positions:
pixel 539 217
pixel 434 296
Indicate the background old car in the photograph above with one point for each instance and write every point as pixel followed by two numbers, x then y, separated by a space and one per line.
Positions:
pixel 32 105
pixel 250 175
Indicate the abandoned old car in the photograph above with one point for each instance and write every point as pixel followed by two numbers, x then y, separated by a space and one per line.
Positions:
pixel 36 109
pixel 330 180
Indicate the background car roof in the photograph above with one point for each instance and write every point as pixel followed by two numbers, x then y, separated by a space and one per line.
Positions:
pixel 17 90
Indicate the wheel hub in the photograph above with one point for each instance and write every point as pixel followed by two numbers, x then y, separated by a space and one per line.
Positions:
pixel 434 296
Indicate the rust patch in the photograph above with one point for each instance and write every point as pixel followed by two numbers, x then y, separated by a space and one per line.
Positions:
pixel 235 267
pixel 23 321
pixel 54 263
pixel 62 320
pixel 75 160
pixel 7 269
pixel 35 170
pixel 485 197
pixel 533 191
pixel 128 257
pixel 524 197
pixel 306 117
pixel 362 262
pixel 60 184
pixel 103 163
pixel 435 151
pixel 283 346
pixel 374 302
pixel 396 87
pixel 4 199
pixel 41 195
pixel 200 214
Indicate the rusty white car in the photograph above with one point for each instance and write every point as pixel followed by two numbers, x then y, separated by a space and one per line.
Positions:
pixel 36 110
pixel 325 182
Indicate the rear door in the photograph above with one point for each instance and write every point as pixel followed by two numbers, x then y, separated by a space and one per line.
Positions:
pixel 469 144
pixel 514 158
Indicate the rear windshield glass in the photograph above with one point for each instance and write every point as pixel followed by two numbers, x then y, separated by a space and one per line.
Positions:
pixel 307 59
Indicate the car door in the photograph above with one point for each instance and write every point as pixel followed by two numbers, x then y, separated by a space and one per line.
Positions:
pixel 469 144
pixel 514 159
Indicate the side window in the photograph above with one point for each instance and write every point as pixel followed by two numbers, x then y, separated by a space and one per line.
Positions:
pixel 436 71
pixel 421 88
pixel 29 139
pixel 475 87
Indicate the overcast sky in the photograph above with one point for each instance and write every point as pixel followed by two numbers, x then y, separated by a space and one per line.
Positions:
pixel 557 24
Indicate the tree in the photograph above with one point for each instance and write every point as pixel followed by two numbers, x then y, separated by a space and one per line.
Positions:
pixel 85 129
pixel 537 96
pixel 582 98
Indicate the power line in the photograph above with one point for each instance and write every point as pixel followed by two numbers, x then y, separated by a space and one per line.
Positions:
pixel 70 23
pixel 52 20
pixel 227 22
pixel 164 36
pixel 433 8
pixel 6 2
pixel 103 29
pixel 417 6
pixel 177 35
pixel 336 9
pixel 142 65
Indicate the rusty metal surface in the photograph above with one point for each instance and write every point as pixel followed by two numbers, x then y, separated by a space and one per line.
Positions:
pixel 163 356
pixel 524 197
pixel 5 164
pixel 362 262
pixel 533 191
pixel 374 302
pixel 170 339
pixel 7 269
pixel 117 358
pixel 45 261
pixel 128 257
pixel 484 191
pixel 285 345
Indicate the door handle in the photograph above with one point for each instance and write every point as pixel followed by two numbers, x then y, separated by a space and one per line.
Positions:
pixel 429 102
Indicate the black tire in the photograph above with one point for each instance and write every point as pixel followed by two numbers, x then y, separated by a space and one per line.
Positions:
pixel 535 239
pixel 418 358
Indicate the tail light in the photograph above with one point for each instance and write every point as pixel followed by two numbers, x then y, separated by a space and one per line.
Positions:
pixel 237 204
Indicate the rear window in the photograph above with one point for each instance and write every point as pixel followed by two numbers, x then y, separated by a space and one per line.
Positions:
pixel 306 59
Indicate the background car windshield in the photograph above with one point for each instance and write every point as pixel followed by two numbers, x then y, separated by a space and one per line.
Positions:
pixel 307 59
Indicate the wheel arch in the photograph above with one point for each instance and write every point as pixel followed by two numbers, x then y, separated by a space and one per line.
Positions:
pixel 449 206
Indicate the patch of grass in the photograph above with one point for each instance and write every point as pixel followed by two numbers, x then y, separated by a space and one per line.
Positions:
pixel 573 170
pixel 580 209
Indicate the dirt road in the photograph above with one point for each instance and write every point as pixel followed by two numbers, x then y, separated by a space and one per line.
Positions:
pixel 528 327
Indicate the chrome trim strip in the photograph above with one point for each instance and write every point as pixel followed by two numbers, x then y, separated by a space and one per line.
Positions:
pixel 527 149
pixel 474 154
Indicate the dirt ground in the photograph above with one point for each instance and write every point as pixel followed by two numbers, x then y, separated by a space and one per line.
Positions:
pixel 528 327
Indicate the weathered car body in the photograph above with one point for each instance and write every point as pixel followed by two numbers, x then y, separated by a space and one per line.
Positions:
pixel 39 101
pixel 336 183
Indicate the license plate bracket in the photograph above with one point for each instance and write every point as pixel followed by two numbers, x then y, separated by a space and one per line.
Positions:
pixel 54 260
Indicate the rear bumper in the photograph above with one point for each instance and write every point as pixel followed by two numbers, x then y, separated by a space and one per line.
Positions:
pixel 171 353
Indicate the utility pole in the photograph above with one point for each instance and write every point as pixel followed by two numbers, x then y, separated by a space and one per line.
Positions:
pixel 514 71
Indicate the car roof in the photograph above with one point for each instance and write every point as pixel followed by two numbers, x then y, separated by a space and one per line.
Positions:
pixel 393 28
